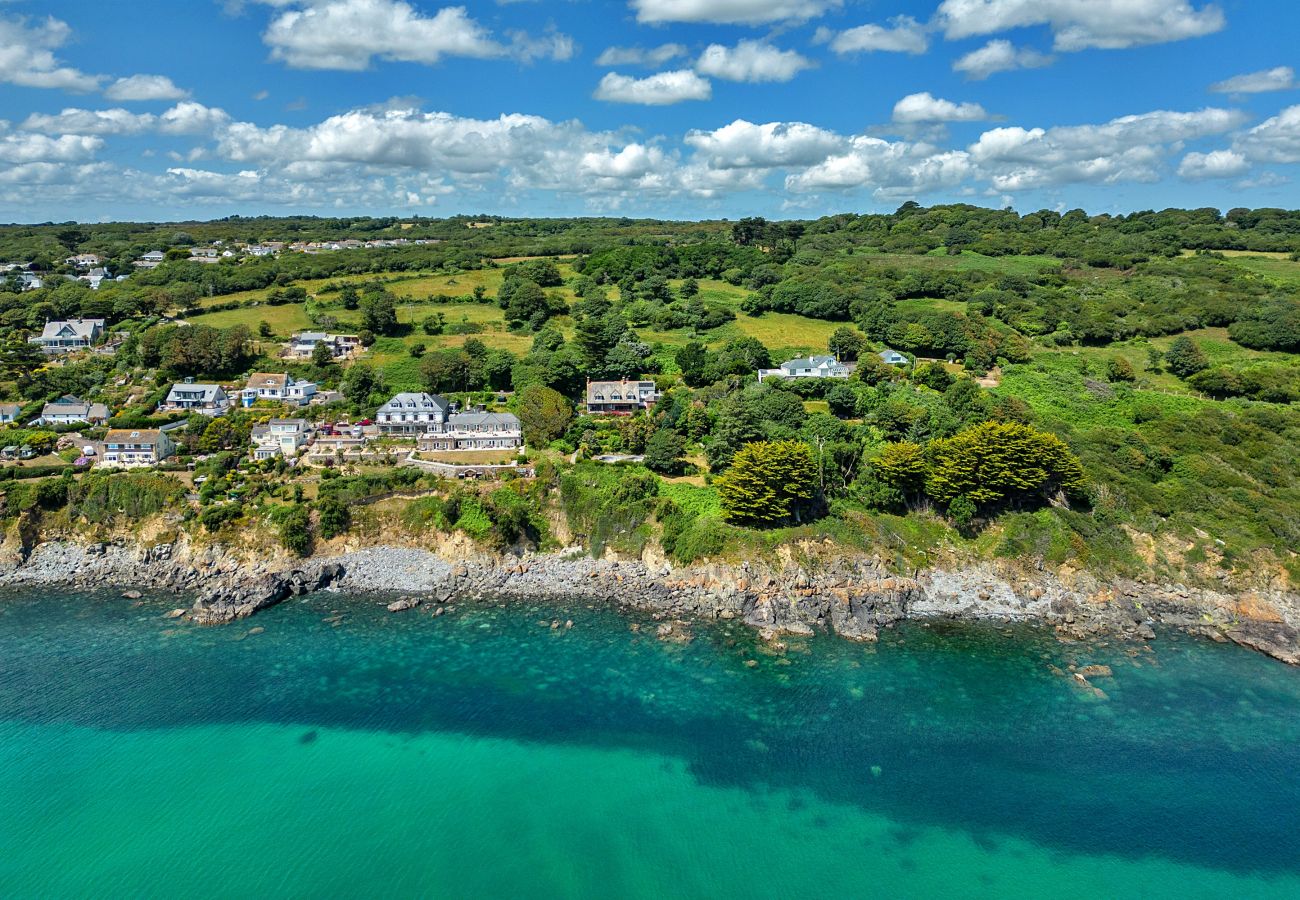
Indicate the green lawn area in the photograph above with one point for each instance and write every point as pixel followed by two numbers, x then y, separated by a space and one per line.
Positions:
pixel 967 261
pixel 284 320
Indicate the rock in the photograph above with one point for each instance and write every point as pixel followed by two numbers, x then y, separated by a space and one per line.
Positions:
pixel 256 629
pixel 1146 632
pixel 401 604
pixel 131 595
pixel 176 613
pixel 1097 671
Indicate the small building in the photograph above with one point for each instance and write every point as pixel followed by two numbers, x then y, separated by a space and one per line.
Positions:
pixel 30 281
pixel 303 344
pixel 335 447
pixel 894 358
pixel 412 414
pixel 150 260
pixel 69 335
pixel 808 367
pixel 620 398
pixel 207 399
pixel 70 410
pixel 9 413
pixel 277 388
pixel 475 431
pixel 132 448
pixel 84 261
pixel 280 437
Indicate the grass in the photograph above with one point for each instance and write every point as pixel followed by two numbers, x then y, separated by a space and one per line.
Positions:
pixel 472 457
pixel 696 500
pixel 284 320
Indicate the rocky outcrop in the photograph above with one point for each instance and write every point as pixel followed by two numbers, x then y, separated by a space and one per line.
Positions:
pixel 853 597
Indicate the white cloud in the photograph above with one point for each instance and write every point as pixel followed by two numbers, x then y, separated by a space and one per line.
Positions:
pixel 904 35
pixel 1275 140
pixel 1215 164
pixel 89 121
pixel 1081 24
pixel 730 12
pixel 144 87
pixel 641 56
pixel 189 117
pixel 662 89
pixel 743 145
pixel 347 34
pixel 999 56
pixel 1281 78
pixel 753 61
pixel 888 168
pixel 27 56
pixel 923 107
pixel 29 148
pixel 1130 148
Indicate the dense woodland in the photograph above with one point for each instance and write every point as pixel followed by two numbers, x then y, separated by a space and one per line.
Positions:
pixel 1117 392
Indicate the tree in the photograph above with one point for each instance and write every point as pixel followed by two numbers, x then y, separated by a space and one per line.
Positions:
pixel 1119 368
pixel 334 517
pixel 322 355
pixel 693 360
pixel 842 401
pixel 902 466
pixel 264 329
pixel 846 343
pixel 434 324
pixel 663 452
pixel 222 434
pixel 544 414
pixel 769 483
pixel 1184 358
pixel 446 371
pixel 359 382
pixel 690 287
pixel 349 297
pixel 378 312
pixel 996 462
pixel 295 529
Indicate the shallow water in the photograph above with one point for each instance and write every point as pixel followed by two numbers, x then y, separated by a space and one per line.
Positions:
pixel 346 751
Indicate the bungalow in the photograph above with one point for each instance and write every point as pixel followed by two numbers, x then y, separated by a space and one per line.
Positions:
pixel 128 448
pixel 84 261
pixel 280 437
pixel 150 260
pixel 332 447
pixel 894 358
pixel 412 414
pixel 30 281
pixel 9 413
pixel 70 335
pixel 69 410
pixel 278 388
pixel 475 430
pixel 207 399
pixel 620 398
pixel 809 367
pixel 303 344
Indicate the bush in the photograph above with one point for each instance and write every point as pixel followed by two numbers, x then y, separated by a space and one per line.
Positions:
pixel 334 517
pixel 217 516
pixel 294 526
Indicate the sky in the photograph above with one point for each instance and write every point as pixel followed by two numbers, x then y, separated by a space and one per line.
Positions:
pixel 678 109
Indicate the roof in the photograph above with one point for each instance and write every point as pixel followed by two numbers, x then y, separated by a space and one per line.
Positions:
pixel 810 362
pixel 406 401
pixel 594 387
pixel 506 421
pixel 888 354
pixel 132 436
pixel 301 423
pixel 10 408
pixel 268 380
pixel 303 336
pixel 209 391
pixel 82 328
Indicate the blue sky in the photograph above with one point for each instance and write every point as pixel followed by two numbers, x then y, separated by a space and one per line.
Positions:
pixel 670 108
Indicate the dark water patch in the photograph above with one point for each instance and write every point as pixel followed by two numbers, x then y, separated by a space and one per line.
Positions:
pixel 1193 759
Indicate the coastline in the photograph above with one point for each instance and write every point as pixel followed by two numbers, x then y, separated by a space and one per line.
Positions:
pixel 851 596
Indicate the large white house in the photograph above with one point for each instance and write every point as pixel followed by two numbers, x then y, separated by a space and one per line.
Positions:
pixel 208 399
pixel 280 437
pixel 475 430
pixel 69 335
pixel 303 344
pixel 412 414
pixel 131 448
pixel 620 398
pixel 809 367
pixel 277 388
pixel 69 410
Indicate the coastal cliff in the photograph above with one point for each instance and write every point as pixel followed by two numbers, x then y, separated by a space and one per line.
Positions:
pixel 852 596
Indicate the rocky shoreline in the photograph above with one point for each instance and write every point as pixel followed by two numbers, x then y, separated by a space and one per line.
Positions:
pixel 853 597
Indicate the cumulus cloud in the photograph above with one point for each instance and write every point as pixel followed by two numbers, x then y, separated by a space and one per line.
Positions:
pixel 1082 24
pixel 89 121
pixel 189 117
pixel 1130 148
pixel 753 61
pixel 888 168
pixel 999 56
pixel 30 148
pixel 144 87
pixel 1275 140
pixel 1215 164
pixel 924 107
pixel 641 56
pixel 744 145
pixel 662 89
pixel 348 34
pixel 903 35
pixel 27 56
pixel 1281 78
pixel 730 12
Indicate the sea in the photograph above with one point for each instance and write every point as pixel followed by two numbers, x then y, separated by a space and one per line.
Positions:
pixel 329 748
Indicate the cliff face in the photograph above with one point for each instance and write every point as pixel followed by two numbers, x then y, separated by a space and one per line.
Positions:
pixel 852 596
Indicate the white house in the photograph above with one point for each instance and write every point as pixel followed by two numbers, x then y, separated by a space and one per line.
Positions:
pixel 9 413
pixel 30 281
pixel 277 388
pixel 131 448
pixel 894 358
pixel 303 344
pixel 69 410
pixel 70 335
pixel 150 260
pixel 280 437
pixel 620 398
pixel 412 414
pixel 809 367
pixel 475 430
pixel 208 399
pixel 84 261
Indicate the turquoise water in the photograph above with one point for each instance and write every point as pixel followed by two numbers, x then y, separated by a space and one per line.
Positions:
pixel 346 751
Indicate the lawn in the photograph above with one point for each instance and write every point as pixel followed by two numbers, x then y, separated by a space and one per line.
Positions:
pixel 284 320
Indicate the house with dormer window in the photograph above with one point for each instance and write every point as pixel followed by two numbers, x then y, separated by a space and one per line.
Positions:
pixel 70 335
pixel 412 414
pixel 620 398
